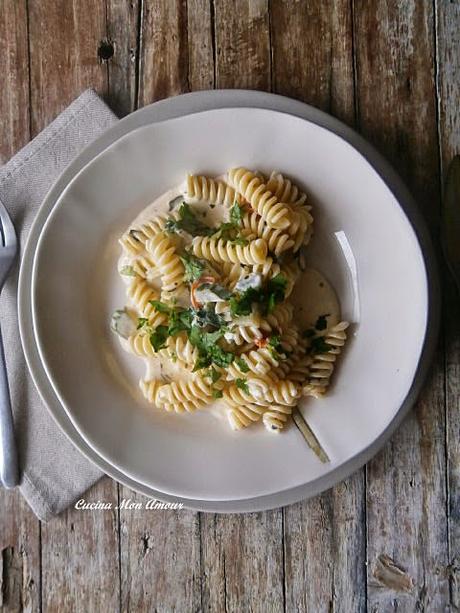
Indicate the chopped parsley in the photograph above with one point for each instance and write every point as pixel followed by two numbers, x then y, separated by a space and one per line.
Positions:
pixel 217 394
pixel 188 222
pixel 158 338
pixel 141 322
pixel 161 307
pixel 242 385
pixel 236 214
pixel 194 267
pixel 242 365
pixel 266 297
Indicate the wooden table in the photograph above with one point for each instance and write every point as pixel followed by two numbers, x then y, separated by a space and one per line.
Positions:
pixel 390 69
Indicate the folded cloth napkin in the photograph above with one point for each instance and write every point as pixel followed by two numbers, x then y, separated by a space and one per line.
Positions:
pixel 53 472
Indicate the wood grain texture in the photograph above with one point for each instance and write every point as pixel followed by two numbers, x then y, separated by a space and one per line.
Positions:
pixel 312 52
pixel 164 50
pixel 14 88
pixel 325 538
pixel 201 48
pixel 242 562
pixel 80 569
pixel 64 41
pixel 123 21
pixel 406 482
pixel 448 71
pixel 242 43
pixel 160 559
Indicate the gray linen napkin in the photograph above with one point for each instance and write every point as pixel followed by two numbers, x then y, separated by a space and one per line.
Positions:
pixel 53 473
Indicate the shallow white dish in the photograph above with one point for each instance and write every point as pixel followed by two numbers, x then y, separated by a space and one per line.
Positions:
pixel 176 106
pixel 117 432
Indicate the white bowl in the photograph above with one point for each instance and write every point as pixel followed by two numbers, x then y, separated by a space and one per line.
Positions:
pixel 196 456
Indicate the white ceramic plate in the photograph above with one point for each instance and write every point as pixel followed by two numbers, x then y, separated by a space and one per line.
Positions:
pixel 335 474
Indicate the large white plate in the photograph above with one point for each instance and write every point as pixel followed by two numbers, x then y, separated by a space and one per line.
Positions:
pixel 333 475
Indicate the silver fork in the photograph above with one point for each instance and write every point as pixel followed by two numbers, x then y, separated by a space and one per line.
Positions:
pixel 9 474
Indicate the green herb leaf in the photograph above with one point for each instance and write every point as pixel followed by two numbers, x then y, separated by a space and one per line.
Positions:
pixel 321 322
pixel 128 271
pixel 217 394
pixel 194 267
pixel 158 337
pixel 242 242
pixel 236 214
pixel 141 322
pixel 188 222
pixel 319 345
pixel 242 365
pixel 161 307
pixel 242 385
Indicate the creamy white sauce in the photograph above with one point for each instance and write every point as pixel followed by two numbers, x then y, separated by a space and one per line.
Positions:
pixel 313 295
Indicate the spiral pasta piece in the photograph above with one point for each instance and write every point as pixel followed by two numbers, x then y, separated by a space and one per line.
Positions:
pixel 144 267
pixel 285 190
pixel 163 253
pixel 241 414
pixel 250 186
pixel 284 392
pixel 150 389
pixel 253 226
pixel 259 362
pixel 211 191
pixel 219 250
pixel 185 395
pixel 180 349
pixel 276 417
pixel 133 241
pixel 141 293
pixel 279 319
pixel 322 365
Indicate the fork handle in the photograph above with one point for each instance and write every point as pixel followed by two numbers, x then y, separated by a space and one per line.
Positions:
pixel 9 473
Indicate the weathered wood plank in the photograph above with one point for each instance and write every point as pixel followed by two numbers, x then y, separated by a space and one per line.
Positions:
pixel 448 65
pixel 14 90
pixel 123 20
pixel 242 562
pixel 19 528
pixel 242 43
pixel 160 558
pixel 406 496
pixel 201 48
pixel 325 537
pixel 164 50
pixel 80 548
pixel 313 54
pixel 64 43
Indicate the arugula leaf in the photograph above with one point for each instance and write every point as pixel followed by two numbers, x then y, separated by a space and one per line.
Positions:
pixel 188 222
pixel 217 394
pixel 194 267
pixel 321 322
pixel 128 271
pixel 141 322
pixel 242 365
pixel 236 214
pixel 242 385
pixel 158 338
pixel 319 345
